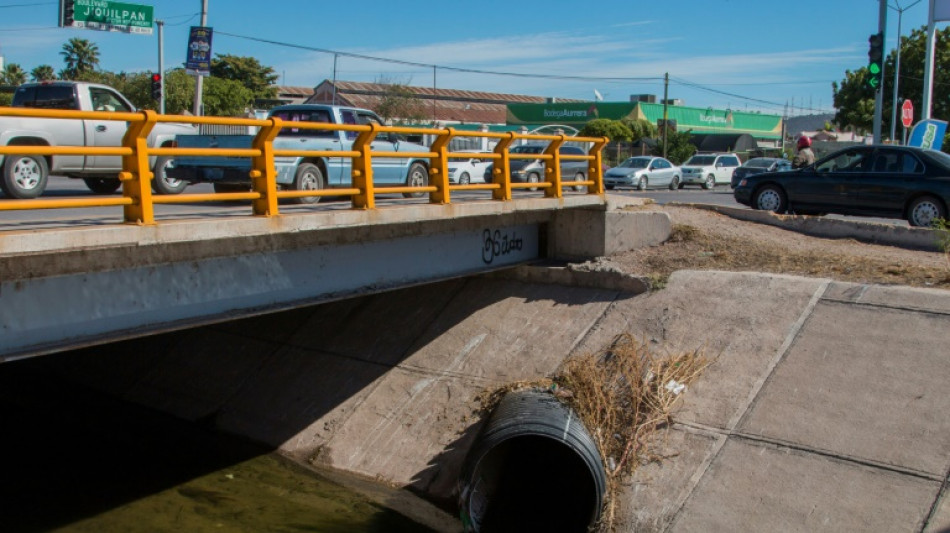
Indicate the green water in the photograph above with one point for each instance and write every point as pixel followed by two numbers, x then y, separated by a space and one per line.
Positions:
pixel 76 460
pixel 266 493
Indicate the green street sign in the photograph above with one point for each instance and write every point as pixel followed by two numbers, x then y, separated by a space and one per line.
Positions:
pixel 105 15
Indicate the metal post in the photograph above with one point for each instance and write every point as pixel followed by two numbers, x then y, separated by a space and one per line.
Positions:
pixel 334 78
pixel 897 69
pixel 161 64
pixel 666 103
pixel 879 93
pixel 929 64
pixel 199 80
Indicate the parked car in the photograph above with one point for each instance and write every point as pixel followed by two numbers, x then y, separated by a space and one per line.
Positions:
pixel 532 170
pixel 883 181
pixel 757 165
pixel 471 170
pixel 709 170
pixel 643 172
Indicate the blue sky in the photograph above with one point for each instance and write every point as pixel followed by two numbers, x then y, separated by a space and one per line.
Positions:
pixel 763 53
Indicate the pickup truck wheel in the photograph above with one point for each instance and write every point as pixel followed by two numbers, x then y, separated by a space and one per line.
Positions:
pixel 418 177
pixel 308 178
pixel 161 182
pixel 102 185
pixel 24 176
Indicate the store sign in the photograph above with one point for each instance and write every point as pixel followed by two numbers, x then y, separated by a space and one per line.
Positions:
pixel 105 15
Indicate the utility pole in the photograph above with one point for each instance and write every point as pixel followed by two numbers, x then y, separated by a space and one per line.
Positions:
pixel 199 79
pixel 929 63
pixel 161 63
pixel 666 103
pixel 897 67
pixel 879 92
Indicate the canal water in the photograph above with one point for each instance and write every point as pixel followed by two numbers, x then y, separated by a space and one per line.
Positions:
pixel 75 460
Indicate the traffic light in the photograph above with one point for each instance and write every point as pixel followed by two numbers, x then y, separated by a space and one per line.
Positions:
pixel 875 60
pixel 67 11
pixel 157 86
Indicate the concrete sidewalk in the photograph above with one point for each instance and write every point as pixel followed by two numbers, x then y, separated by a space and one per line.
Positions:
pixel 826 409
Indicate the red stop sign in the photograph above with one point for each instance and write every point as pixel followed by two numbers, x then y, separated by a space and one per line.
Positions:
pixel 907 113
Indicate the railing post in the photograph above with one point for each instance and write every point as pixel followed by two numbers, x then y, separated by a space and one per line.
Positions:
pixel 362 174
pixel 501 169
pixel 136 175
pixel 552 168
pixel 596 171
pixel 263 171
pixel 439 168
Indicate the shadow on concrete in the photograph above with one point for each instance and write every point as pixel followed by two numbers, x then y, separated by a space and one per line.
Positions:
pixel 72 451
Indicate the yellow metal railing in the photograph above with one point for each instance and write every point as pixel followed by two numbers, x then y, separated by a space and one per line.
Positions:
pixel 138 201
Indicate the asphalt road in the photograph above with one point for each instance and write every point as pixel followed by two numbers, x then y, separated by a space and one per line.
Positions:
pixel 60 187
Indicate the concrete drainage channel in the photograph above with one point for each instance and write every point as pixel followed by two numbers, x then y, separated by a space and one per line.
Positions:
pixel 534 467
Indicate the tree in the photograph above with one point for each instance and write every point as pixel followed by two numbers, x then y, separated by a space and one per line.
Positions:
pixel 855 101
pixel 399 105
pixel 42 73
pixel 12 74
pixel 81 57
pixel 678 147
pixel 614 130
pixel 641 128
pixel 247 71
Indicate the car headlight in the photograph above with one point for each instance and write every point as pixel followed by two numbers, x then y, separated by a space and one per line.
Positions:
pixel 743 182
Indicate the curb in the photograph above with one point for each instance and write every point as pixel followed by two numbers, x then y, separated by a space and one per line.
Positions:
pixel 829 228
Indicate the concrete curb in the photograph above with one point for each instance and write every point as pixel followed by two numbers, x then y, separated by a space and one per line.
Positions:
pixel 830 228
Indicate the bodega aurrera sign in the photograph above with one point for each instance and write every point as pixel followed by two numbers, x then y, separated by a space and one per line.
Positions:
pixel 112 16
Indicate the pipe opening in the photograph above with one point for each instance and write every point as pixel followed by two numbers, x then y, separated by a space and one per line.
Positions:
pixel 534 467
pixel 536 484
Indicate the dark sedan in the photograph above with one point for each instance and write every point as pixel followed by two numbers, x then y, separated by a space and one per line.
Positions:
pixel 758 165
pixel 882 181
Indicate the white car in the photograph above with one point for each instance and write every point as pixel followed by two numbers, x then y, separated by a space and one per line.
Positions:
pixel 643 172
pixel 709 170
pixel 470 170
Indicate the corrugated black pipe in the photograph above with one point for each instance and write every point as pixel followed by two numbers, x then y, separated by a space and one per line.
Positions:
pixel 533 467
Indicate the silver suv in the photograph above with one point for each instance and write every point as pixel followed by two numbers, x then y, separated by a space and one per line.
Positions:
pixel 709 170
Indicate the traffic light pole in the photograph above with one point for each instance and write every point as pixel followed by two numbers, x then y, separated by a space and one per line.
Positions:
pixel 161 63
pixel 879 93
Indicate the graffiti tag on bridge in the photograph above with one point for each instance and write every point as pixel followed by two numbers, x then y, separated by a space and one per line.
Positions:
pixel 496 244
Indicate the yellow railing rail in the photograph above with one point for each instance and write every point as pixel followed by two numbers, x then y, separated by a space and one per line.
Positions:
pixel 138 201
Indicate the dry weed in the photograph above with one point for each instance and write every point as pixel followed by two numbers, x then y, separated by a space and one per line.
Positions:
pixel 624 395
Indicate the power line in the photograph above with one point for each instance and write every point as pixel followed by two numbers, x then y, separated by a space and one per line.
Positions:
pixel 30 5
pixel 439 67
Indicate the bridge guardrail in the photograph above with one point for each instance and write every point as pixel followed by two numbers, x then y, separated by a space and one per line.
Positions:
pixel 138 202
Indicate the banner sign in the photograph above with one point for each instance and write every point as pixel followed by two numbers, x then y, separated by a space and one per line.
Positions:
pixel 198 60
pixel 928 134
pixel 941 10
pixel 105 15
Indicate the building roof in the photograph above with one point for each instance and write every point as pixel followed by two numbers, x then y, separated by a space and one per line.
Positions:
pixel 445 105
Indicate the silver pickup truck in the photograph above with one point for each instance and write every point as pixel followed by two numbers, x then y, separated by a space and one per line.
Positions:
pixel 230 174
pixel 25 176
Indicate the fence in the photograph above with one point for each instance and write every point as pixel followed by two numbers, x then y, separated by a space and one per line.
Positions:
pixel 138 202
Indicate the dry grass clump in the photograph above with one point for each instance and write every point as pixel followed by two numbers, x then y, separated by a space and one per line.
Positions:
pixel 624 395
pixel 694 248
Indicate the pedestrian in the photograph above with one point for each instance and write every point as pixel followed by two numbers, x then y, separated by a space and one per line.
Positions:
pixel 805 156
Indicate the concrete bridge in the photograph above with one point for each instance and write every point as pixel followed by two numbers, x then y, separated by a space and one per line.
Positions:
pixel 69 288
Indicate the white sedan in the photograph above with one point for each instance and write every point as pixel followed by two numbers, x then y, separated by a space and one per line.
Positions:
pixel 644 172
pixel 469 170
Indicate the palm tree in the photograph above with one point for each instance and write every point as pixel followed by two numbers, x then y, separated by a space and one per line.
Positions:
pixel 13 74
pixel 43 72
pixel 81 56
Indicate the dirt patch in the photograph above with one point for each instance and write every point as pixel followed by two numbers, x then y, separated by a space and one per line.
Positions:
pixel 706 240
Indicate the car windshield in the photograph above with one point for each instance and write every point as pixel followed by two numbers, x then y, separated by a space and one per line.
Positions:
pixel 942 158
pixel 758 163
pixel 635 162
pixel 701 160
pixel 525 149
